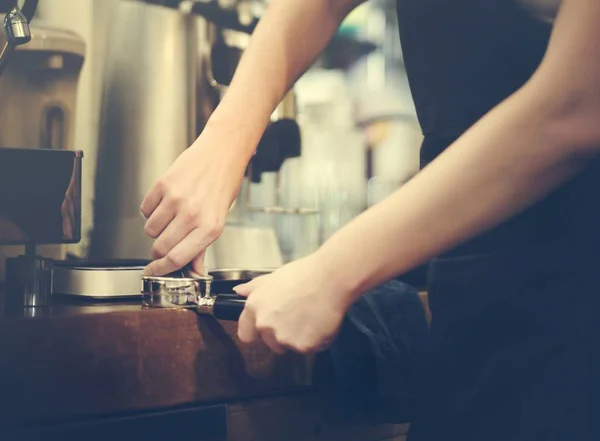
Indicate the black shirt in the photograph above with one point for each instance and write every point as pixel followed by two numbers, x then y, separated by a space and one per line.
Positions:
pixel 464 57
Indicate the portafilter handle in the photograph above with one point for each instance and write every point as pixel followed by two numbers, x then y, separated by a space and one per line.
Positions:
pixel 227 307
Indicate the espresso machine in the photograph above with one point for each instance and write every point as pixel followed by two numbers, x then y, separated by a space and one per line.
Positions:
pixel 40 172
pixel 40 185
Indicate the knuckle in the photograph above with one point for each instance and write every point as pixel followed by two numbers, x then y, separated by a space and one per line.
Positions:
pixel 213 229
pixel 162 186
pixel 263 325
pixel 301 347
pixel 251 306
pixel 150 231
pixel 243 337
pixel 191 215
pixel 175 260
pixel 174 198
pixel 287 341
pixel 297 345
pixel 158 250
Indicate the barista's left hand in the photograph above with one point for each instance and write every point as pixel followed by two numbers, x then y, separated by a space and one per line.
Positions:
pixel 298 307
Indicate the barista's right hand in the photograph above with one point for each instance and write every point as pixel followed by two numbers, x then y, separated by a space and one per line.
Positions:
pixel 187 207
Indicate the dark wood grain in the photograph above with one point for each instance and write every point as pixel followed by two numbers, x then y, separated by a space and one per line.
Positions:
pixel 80 361
pixel 77 361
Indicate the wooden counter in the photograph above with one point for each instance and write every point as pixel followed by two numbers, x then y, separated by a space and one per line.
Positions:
pixel 78 364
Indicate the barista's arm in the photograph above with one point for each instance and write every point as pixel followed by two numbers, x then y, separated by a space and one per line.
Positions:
pixel 527 146
pixel 187 207
pixel 286 42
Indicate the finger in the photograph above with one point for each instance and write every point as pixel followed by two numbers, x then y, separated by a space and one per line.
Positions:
pixel 247 332
pixel 243 290
pixel 246 288
pixel 198 263
pixel 159 220
pixel 151 201
pixel 268 337
pixel 173 234
pixel 323 346
pixel 180 255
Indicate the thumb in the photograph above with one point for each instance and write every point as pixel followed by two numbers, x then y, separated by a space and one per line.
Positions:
pixel 246 289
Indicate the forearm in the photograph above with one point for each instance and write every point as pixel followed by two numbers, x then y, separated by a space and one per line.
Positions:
pixel 285 43
pixel 527 146
pixel 503 164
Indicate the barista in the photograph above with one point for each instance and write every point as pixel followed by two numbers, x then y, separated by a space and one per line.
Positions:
pixel 505 205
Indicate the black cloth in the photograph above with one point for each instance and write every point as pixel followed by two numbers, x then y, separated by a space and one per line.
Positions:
pixel 514 346
pixel 378 356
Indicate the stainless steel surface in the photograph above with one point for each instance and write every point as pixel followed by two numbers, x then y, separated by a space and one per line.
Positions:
pixel 235 274
pixel 191 293
pixel 40 196
pixel 40 174
pixel 16 30
pixel 221 36
pixel 147 120
pixel 174 292
pixel 38 91
pixel 16 27
pixel 206 305
pixel 97 281
pixel 29 283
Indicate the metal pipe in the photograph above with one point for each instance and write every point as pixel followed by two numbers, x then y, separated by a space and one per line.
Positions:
pixel 16 29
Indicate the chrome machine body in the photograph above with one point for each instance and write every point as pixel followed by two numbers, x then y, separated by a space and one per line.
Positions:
pixel 40 173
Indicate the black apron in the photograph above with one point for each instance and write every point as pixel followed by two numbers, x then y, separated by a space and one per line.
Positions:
pixel 514 339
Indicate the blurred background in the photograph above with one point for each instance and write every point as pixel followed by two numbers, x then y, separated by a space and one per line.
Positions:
pixel 131 84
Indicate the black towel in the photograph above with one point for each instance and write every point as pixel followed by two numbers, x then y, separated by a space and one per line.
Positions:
pixel 375 365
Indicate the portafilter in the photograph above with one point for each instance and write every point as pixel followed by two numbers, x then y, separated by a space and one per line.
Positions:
pixel 190 291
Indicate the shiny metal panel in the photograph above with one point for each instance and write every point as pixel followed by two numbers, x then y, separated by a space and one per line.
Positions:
pixel 97 281
pixel 148 94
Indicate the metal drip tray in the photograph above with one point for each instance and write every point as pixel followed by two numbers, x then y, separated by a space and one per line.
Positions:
pixel 122 279
pixel 224 280
pixel 98 280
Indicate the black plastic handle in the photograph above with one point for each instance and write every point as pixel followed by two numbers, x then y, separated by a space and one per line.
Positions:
pixel 29 8
pixel 228 307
